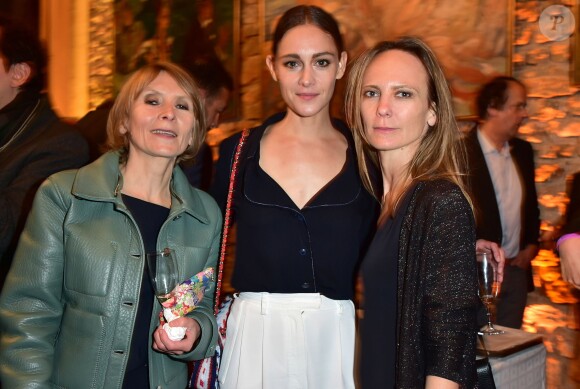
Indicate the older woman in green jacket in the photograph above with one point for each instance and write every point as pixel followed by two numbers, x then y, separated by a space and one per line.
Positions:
pixel 78 310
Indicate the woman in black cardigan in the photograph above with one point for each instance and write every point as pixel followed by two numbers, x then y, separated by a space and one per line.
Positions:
pixel 421 263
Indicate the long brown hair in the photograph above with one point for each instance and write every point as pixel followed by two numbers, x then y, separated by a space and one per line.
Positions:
pixel 440 153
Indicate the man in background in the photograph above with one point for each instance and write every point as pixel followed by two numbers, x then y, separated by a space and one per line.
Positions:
pixel 216 85
pixel 501 181
pixel 34 142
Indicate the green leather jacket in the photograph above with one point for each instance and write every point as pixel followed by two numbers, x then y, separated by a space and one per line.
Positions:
pixel 69 304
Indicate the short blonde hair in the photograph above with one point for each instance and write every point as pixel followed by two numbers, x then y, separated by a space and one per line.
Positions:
pixel 121 111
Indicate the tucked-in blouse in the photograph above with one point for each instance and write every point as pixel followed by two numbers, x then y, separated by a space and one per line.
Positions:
pixel 283 249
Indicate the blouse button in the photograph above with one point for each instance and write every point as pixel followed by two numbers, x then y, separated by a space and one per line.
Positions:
pixel 306 285
pixel 302 252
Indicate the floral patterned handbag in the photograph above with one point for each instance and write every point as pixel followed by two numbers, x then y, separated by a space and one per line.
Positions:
pixel 205 371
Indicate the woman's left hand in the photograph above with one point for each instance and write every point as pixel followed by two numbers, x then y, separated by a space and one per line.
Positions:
pixel 498 254
pixel 162 343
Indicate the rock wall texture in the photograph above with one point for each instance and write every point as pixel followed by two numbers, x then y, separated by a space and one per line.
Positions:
pixel 554 105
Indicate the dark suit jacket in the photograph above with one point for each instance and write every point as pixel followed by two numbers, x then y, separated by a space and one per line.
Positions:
pixel 35 144
pixel 483 194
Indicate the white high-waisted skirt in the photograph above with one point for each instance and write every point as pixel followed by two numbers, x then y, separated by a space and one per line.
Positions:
pixel 288 341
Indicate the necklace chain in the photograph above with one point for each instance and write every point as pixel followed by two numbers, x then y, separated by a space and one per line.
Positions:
pixel 22 127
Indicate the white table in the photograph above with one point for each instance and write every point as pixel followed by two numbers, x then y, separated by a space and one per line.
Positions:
pixel 517 359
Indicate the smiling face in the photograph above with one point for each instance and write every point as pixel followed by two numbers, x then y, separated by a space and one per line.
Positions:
pixel 161 120
pixel 306 66
pixel 395 104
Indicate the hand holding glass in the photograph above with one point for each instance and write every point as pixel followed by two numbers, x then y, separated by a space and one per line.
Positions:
pixel 164 276
pixel 488 287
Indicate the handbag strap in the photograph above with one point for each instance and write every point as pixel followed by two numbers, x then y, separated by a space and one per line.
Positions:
pixel 227 219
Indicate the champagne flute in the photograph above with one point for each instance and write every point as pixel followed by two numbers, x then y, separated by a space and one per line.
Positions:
pixel 163 272
pixel 488 288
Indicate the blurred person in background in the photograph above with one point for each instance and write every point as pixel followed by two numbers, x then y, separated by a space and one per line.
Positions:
pixel 216 86
pixel 34 141
pixel 501 184
pixel 569 242
pixel 568 247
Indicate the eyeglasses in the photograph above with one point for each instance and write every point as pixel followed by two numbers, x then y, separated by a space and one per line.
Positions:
pixel 517 107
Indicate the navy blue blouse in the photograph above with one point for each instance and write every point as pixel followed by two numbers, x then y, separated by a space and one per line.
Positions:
pixel 283 249
pixel 379 326
pixel 149 217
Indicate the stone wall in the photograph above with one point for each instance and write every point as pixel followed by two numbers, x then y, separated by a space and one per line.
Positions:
pixel 554 105
pixel 101 51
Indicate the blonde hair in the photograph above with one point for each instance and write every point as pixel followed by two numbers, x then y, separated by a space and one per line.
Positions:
pixel 440 154
pixel 121 111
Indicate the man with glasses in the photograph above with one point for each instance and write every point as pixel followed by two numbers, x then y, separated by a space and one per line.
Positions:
pixel 501 180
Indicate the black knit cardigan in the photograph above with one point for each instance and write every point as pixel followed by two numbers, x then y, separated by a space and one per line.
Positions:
pixel 437 293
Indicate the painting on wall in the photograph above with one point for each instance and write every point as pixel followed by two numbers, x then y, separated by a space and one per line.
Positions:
pixel 472 39
pixel 181 31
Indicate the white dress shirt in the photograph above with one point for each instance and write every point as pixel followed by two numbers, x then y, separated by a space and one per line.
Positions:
pixel 508 192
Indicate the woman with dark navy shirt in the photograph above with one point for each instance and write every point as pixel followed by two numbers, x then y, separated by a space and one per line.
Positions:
pixel 303 218
pixel 420 276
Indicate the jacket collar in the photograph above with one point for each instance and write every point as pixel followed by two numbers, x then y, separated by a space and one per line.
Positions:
pixel 102 181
